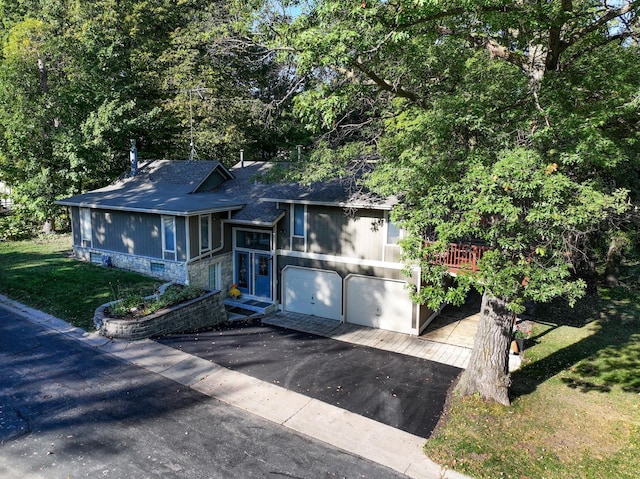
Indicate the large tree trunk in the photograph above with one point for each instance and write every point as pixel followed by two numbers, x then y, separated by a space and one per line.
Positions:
pixel 488 370
pixel 614 261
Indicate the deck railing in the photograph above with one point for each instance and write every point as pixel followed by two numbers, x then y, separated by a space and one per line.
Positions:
pixel 459 256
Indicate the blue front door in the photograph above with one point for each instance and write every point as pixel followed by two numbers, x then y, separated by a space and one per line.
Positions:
pixel 243 272
pixel 262 275
pixel 253 273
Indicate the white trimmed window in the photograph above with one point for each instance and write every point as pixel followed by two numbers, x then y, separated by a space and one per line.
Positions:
pixel 214 276
pixel 85 227
pixel 169 237
pixel 299 226
pixel 205 233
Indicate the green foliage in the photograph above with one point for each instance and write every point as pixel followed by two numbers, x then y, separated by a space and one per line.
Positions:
pixel 13 227
pixel 136 305
pixel 40 274
pixel 483 131
pixel 79 79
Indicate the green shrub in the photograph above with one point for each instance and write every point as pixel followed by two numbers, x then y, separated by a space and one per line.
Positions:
pixel 14 228
pixel 136 306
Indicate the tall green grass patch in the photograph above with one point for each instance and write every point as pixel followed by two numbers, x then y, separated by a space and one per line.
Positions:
pixel 42 274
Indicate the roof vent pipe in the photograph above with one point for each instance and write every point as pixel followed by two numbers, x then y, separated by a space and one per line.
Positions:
pixel 133 157
pixel 241 158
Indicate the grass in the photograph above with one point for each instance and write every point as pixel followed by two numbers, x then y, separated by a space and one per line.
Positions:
pixel 40 274
pixel 575 409
pixel 576 401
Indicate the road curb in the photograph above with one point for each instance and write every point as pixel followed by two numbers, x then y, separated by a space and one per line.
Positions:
pixel 364 437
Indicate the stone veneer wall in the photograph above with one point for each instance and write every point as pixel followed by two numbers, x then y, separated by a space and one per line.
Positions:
pixel 199 272
pixel 199 313
pixel 173 271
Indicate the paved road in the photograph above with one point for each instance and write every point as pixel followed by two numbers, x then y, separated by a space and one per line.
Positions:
pixel 69 411
pixel 405 392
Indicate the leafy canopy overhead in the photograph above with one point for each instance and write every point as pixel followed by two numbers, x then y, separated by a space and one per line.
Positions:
pixel 511 123
pixel 79 79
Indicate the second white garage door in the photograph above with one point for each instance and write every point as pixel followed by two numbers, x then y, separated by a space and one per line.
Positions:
pixel 378 303
pixel 312 291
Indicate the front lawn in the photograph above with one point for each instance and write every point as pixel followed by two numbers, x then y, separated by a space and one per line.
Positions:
pixel 41 274
pixel 576 400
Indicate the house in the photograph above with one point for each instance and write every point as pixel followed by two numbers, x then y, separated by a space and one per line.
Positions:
pixel 315 249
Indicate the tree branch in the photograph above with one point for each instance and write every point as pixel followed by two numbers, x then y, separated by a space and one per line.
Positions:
pixel 384 85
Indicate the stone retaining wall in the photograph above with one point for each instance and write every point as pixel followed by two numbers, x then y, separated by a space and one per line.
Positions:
pixel 199 313
pixel 154 267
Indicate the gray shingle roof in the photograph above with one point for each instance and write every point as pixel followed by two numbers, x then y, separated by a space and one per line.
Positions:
pixel 331 192
pixel 167 187
pixel 161 186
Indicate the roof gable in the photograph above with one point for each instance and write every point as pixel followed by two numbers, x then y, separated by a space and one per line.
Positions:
pixel 196 175
pixel 214 179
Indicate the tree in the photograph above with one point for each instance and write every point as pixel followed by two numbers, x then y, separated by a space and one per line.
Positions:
pixel 511 123
pixel 73 88
pixel 79 79
pixel 227 90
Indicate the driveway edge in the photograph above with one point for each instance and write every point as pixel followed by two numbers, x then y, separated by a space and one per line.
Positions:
pixel 361 436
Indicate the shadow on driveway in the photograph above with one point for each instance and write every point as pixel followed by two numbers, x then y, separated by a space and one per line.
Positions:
pixel 404 392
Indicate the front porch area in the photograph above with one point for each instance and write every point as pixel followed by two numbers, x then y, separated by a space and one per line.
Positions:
pixel 243 308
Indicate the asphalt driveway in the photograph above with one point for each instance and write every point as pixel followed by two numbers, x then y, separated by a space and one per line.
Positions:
pixel 404 392
pixel 69 410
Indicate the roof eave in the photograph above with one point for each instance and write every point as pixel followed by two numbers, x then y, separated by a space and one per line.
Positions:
pixel 339 204
pixel 157 211
pixel 256 222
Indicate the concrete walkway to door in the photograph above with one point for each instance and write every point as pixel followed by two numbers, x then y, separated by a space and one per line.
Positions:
pixel 443 351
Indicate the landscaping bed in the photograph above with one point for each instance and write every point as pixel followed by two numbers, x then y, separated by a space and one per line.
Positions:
pixel 174 309
pixel 43 274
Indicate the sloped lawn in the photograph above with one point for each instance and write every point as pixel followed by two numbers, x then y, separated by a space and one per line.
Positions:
pixel 41 274
pixel 576 400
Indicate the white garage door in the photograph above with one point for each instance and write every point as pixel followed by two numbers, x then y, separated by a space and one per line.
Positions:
pixel 378 303
pixel 312 291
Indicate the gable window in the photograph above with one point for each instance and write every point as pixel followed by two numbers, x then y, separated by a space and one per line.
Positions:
pixel 299 223
pixel 169 237
pixel 205 233
pixel 85 227
pixel 393 233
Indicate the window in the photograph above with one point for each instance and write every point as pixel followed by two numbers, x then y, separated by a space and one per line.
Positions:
pixel 85 227
pixel 214 276
pixel 205 233
pixel 299 220
pixel 169 237
pixel 393 233
pixel 157 268
pixel 253 240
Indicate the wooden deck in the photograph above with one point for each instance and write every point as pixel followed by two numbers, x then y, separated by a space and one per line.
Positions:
pixel 459 257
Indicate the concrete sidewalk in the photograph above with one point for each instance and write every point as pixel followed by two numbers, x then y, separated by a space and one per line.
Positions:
pixel 351 432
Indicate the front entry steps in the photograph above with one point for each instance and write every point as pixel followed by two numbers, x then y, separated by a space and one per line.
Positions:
pixel 240 314
pixel 247 308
